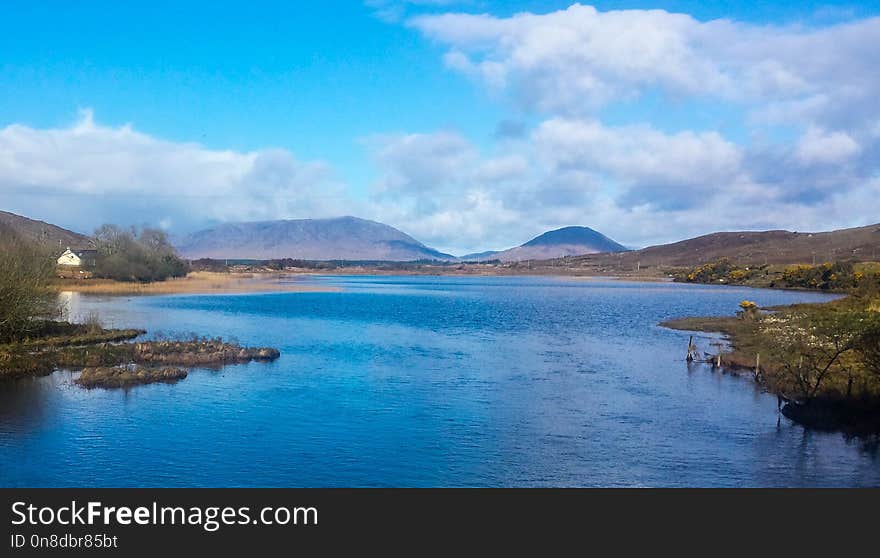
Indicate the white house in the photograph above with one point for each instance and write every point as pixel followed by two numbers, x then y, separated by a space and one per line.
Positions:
pixel 77 258
pixel 69 258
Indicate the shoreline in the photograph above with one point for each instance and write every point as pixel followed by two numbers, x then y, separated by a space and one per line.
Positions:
pixel 823 412
pixel 265 281
pixel 196 282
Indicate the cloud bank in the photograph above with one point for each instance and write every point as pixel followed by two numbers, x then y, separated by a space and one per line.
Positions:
pixel 86 174
pixel 577 60
pixel 807 158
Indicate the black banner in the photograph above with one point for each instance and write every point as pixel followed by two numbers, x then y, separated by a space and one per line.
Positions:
pixel 129 522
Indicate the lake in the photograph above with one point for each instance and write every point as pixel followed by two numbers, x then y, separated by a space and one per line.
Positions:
pixel 428 381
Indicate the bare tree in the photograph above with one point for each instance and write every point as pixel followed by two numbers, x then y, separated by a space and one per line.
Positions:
pixel 132 255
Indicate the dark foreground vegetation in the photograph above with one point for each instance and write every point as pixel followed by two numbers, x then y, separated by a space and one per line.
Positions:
pixel 25 273
pixel 62 345
pixel 822 360
pixel 33 342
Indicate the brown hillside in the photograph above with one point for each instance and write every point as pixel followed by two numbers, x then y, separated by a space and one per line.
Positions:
pixel 745 248
pixel 48 235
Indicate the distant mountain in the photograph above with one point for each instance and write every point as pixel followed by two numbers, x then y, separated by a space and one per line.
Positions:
pixel 340 238
pixel 46 234
pixel 479 256
pixel 567 241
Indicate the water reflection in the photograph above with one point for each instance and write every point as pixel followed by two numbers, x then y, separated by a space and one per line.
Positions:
pixel 26 404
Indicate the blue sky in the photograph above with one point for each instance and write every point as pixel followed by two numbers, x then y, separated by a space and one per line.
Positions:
pixel 234 75
pixel 356 97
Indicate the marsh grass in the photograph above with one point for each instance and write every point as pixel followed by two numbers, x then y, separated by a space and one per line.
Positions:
pixel 197 282
pixel 127 376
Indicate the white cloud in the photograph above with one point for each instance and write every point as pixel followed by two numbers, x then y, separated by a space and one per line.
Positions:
pixel 577 60
pixel 88 173
pixel 666 170
pixel 637 184
pixel 644 184
pixel 829 148
pixel 502 169
pixel 441 188
pixel 420 162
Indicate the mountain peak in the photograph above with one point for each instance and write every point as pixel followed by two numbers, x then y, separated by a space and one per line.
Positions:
pixel 335 238
pixel 566 241
pixel 575 235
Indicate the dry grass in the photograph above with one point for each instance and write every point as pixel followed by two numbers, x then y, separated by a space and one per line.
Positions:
pixel 197 282
pixel 126 376
pixel 200 352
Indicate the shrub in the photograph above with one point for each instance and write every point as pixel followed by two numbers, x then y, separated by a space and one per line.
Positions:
pixel 818 350
pixel 836 276
pixel 749 310
pixel 129 255
pixel 24 294
pixel 868 346
pixel 721 271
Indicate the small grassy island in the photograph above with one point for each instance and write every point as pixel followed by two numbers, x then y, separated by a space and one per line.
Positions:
pixel 108 359
pixel 125 376
pixel 821 360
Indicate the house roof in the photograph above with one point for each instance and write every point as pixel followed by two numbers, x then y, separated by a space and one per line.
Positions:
pixel 81 252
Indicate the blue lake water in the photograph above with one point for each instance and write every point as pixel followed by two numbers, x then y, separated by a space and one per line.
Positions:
pixel 428 381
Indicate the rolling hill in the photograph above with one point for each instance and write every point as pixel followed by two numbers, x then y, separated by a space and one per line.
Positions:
pixel 46 234
pixel 746 248
pixel 567 241
pixel 340 238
